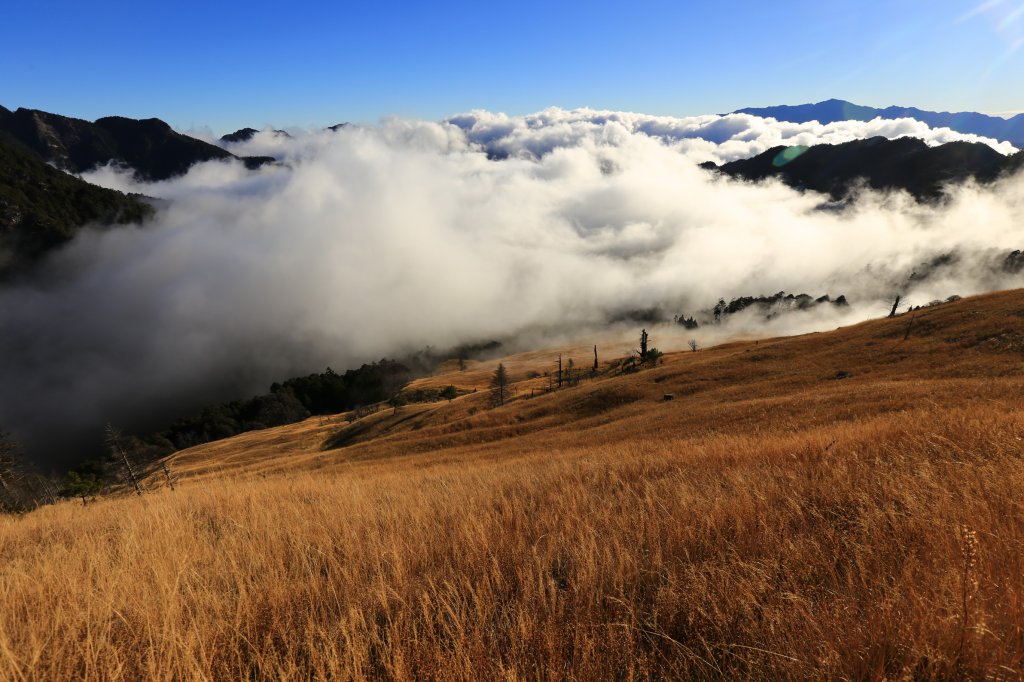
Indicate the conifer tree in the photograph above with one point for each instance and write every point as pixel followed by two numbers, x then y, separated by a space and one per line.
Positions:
pixel 499 386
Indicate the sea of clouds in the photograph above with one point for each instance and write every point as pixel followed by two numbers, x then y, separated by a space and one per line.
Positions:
pixel 372 241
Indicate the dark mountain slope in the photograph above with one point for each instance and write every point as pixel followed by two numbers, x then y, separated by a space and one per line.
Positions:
pixel 42 207
pixel 149 146
pixel 241 135
pixel 246 134
pixel 905 163
pixel 832 110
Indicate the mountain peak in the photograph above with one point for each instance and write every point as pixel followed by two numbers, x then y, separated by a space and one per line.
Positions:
pixel 241 135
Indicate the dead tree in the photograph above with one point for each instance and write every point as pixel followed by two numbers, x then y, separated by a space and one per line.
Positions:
pixel 896 303
pixel 22 486
pixel 12 475
pixel 113 438
pixel 167 473
pixel 46 488
pixel 8 462
pixel 692 343
pixel 559 371
pixel 595 359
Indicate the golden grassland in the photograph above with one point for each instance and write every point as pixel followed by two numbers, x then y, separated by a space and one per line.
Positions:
pixel 772 521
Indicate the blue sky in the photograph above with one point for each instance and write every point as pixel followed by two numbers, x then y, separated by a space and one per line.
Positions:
pixel 230 64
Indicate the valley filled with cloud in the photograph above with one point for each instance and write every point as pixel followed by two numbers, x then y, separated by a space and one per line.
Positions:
pixel 373 241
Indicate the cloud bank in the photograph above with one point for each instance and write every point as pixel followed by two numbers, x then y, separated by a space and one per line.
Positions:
pixel 702 138
pixel 371 241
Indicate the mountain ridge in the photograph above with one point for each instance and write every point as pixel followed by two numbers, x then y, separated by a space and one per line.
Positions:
pixel 149 146
pixel 43 202
pixel 833 110
pixel 905 163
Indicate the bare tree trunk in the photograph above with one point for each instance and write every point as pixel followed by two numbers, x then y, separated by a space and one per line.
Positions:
pixel 595 358
pixel 48 491
pixel 892 313
pixel 114 441
pixel 167 473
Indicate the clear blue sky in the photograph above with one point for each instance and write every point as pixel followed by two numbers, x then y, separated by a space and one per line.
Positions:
pixel 230 64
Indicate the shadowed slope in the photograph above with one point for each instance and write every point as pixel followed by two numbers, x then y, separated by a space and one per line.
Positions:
pixel 42 207
pixel 904 163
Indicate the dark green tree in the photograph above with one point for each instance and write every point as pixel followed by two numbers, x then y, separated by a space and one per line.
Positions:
pixel 397 401
pixel 83 485
pixel 499 386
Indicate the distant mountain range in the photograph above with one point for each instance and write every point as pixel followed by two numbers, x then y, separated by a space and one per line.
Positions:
pixel 832 110
pixel 42 207
pixel 149 146
pixel 246 134
pixel 905 163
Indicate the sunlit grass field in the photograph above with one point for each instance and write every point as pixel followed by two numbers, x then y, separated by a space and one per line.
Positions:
pixel 836 505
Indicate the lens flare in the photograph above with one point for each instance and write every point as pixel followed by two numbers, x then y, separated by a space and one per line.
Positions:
pixel 788 154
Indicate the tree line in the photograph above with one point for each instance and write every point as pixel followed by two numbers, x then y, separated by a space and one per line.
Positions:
pixel 126 459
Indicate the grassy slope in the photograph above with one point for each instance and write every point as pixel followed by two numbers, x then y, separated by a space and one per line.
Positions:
pixel 770 521
pixel 752 386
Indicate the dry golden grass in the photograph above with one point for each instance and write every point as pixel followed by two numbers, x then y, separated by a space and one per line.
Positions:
pixel 770 522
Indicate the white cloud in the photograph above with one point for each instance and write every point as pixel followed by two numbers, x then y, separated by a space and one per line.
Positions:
pixel 702 138
pixel 375 240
